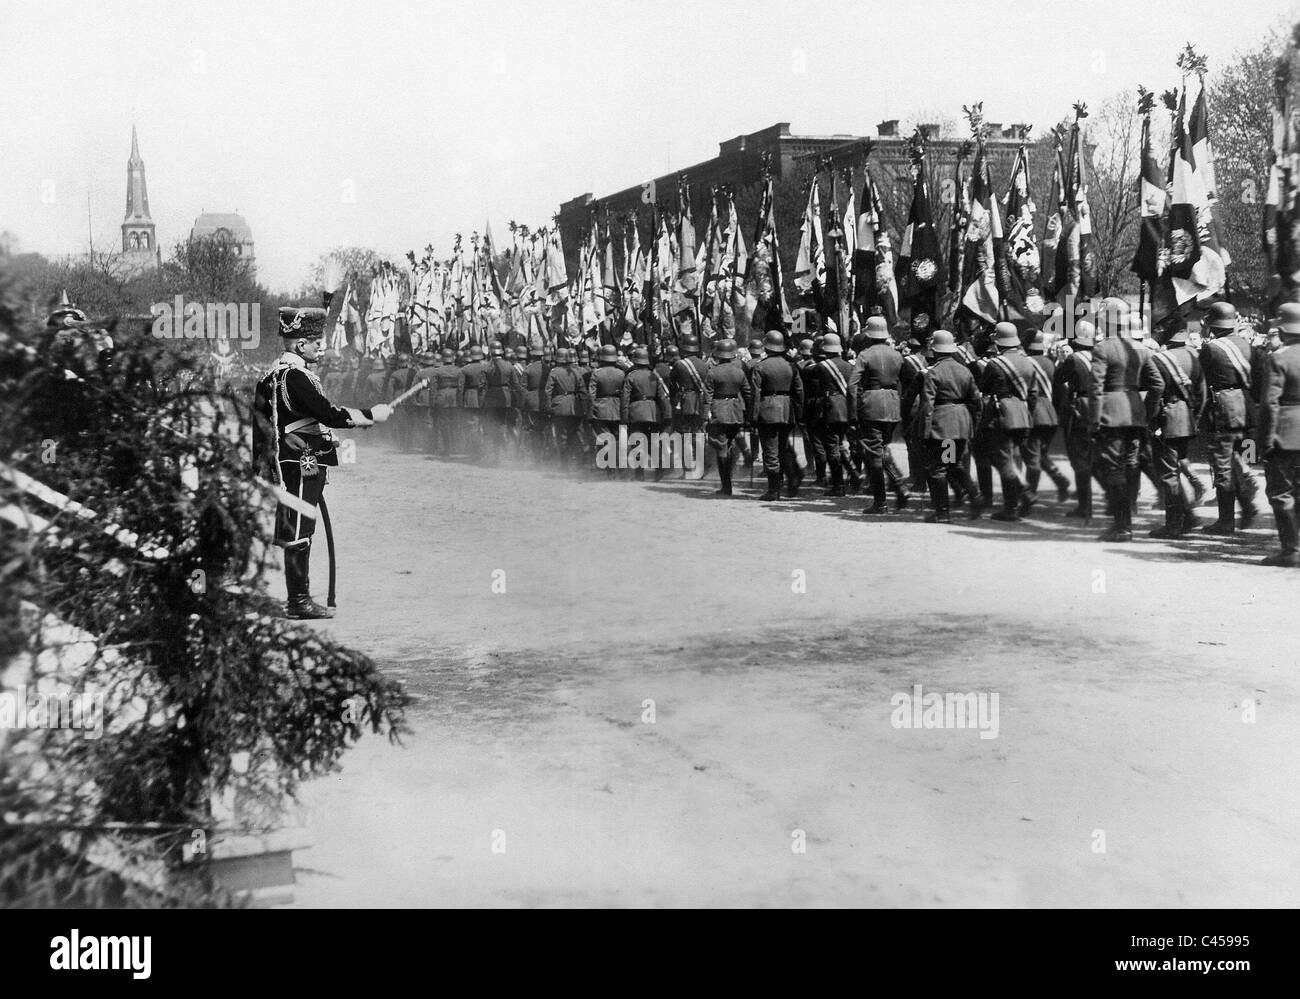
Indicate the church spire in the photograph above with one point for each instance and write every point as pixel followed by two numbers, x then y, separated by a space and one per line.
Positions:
pixel 137 226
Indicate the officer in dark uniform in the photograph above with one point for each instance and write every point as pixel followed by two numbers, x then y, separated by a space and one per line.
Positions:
pixel 983 441
pixel 1279 434
pixel 472 386
pixel 948 407
pixel 811 422
pixel 910 386
pixel 775 404
pixel 1009 388
pixel 875 383
pixel 1227 361
pixel 291 403
pixel 534 413
pixel 1175 398
pixel 1118 420
pixel 605 397
pixel 423 401
pixel 1072 387
pixel 727 395
pixel 560 399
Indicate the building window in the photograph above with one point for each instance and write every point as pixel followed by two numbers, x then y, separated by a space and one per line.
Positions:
pixel 135 241
pixel 144 241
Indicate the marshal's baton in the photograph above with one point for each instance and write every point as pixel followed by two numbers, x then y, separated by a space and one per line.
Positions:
pixel 423 383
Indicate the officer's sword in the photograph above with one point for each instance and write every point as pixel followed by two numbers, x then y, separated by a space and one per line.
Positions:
pixel 421 384
pixel 329 549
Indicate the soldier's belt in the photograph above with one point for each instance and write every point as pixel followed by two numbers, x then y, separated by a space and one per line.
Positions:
pixel 733 396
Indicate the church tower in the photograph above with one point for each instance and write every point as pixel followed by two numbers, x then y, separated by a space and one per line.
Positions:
pixel 137 228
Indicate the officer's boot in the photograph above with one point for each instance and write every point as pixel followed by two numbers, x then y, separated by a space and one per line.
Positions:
pixel 297 578
pixel 1134 488
pixel 1288 533
pixel 1226 524
pixel 794 477
pixel 984 479
pixel 773 486
pixel 1198 484
pixel 1062 484
pixel 879 501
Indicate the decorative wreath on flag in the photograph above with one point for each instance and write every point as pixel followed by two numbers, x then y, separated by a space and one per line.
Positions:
pixel 1180 246
pixel 924 271
pixel 921 321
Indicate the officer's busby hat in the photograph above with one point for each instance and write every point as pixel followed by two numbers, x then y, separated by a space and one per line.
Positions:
pixel 301 322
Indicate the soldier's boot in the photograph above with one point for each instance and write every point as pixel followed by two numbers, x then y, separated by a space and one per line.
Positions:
pixel 1083 493
pixel 895 479
pixel 1032 477
pixel 1121 511
pixel 939 499
pixel 978 503
pixel 1226 523
pixel 297 579
pixel 1028 496
pixel 1175 515
pixel 879 502
pixel 1011 493
pixel 837 481
pixel 724 472
pixel 1134 488
pixel 1288 533
pixel 984 479
pixel 1062 484
pixel 773 486
pixel 794 477
pixel 1198 484
pixel 1249 511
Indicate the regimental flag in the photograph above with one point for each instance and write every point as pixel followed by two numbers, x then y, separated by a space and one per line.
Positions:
pixel 1148 261
pixel 844 240
pixel 810 264
pixel 1282 204
pixel 1076 268
pixel 981 287
pixel 555 273
pixel 763 283
pixel 874 284
pixel 611 285
pixel 687 278
pixel 918 260
pixel 1195 185
pixel 1054 224
pixel 494 285
pixel 635 270
pixel 1019 257
pixel 708 259
pixel 957 232
pixel 458 278
pixel 735 257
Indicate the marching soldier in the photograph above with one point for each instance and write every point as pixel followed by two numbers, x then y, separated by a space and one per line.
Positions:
pixel 910 386
pixel 668 357
pixel 444 392
pixel 1118 420
pixel 535 413
pixel 498 375
pixel 727 395
pixel 560 400
pixel 645 405
pixel 1175 398
pixel 1280 434
pixel 1038 458
pixel 1226 361
pixel 423 401
pixel 1073 392
pixel 686 383
pixel 470 391
pixel 949 407
pixel 291 402
pixel 875 383
pixel 838 403
pixel 605 397
pixel 1010 389
pixel 774 409
pixel 811 422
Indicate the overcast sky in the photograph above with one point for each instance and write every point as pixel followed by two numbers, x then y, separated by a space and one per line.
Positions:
pixel 392 125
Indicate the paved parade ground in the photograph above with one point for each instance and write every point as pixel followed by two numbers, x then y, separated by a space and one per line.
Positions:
pixel 683 700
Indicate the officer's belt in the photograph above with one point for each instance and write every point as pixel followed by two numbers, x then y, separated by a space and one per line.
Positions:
pixel 736 395
pixel 308 424
pixel 776 393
